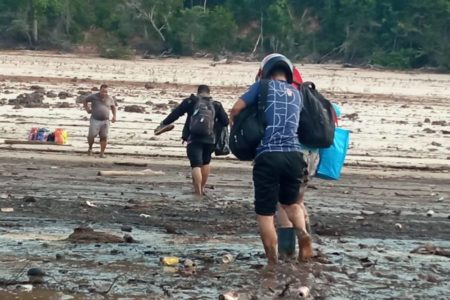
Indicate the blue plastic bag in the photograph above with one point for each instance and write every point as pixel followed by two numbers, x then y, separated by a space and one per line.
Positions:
pixel 332 158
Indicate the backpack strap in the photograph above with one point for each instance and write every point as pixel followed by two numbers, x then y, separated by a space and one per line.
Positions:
pixel 262 99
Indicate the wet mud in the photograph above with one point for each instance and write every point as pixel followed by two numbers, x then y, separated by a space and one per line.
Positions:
pixel 98 237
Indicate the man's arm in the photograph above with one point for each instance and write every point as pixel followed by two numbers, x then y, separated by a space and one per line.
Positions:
pixel 179 111
pixel 114 113
pixel 238 106
pixel 86 105
pixel 247 99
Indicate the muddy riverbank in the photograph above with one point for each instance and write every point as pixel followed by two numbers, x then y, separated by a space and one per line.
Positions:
pixel 365 225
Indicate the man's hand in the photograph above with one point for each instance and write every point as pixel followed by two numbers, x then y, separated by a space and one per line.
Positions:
pixel 113 120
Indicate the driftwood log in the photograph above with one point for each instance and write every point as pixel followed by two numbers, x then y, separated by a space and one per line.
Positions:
pixel 146 172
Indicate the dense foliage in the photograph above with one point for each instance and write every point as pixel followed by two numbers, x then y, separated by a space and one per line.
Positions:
pixel 393 33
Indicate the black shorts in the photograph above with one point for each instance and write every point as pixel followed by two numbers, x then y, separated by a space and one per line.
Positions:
pixel 277 177
pixel 199 154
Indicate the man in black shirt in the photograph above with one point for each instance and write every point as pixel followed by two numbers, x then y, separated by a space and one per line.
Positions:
pixel 203 114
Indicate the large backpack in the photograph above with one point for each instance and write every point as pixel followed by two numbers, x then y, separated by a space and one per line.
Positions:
pixel 317 121
pixel 249 127
pixel 202 119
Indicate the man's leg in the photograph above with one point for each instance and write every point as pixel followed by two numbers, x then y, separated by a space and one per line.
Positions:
pixel 194 153
pixel 205 174
pixel 197 180
pixel 266 184
pixel 290 196
pixel 296 216
pixel 269 237
pixel 104 130
pixel 94 130
pixel 103 143
pixel 91 141
pixel 206 157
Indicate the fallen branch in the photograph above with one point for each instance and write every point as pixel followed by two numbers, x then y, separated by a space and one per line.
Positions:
pixel 431 250
pixel 20 273
pixel 130 164
pixel 145 172
pixel 112 284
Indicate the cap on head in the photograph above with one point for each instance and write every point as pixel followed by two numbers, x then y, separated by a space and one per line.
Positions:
pixel 276 61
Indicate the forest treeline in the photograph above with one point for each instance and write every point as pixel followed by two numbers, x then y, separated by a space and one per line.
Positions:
pixel 391 33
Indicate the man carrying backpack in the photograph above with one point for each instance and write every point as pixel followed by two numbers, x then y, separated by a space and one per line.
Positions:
pixel 279 165
pixel 202 115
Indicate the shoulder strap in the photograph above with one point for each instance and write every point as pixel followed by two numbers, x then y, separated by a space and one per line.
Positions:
pixel 262 99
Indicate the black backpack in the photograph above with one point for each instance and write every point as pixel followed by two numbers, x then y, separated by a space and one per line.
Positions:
pixel 222 146
pixel 202 119
pixel 317 121
pixel 249 127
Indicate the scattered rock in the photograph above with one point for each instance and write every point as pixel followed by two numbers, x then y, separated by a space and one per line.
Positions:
pixel 173 103
pixel 429 130
pixel 170 229
pixel 51 94
pixel 398 226
pixel 149 103
pixel 427 120
pixel 29 199
pixel 38 88
pixel 95 89
pixel 135 109
pixel 36 275
pixel 114 252
pixel 366 262
pixel 31 100
pixel 161 106
pixel 441 123
pixel 351 117
pixel 430 213
pixel 126 228
pixel 59 256
pixel 149 86
pixel 129 239
pixel 63 105
pixel 445 131
pixel 64 95
pixel 436 144
pixel 88 235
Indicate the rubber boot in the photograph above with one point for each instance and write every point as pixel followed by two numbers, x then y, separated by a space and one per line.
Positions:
pixel 286 242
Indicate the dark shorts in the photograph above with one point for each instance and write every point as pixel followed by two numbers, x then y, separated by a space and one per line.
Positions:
pixel 199 154
pixel 277 177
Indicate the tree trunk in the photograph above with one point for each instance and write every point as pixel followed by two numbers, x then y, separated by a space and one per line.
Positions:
pixel 204 5
pixel 35 27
